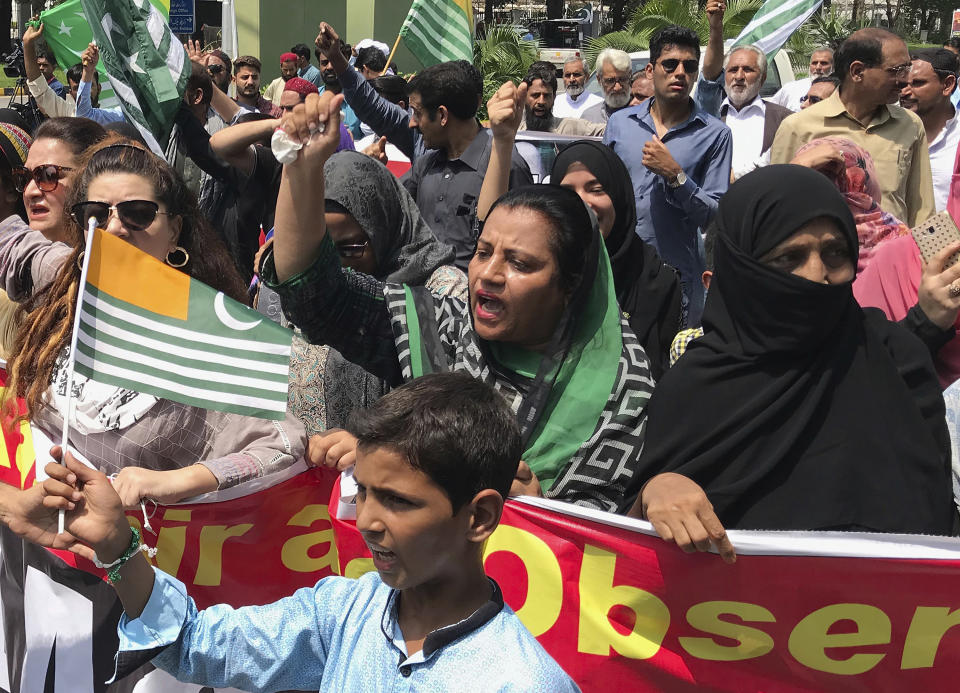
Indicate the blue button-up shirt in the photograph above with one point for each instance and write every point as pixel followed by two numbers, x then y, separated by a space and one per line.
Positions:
pixel 85 107
pixel 668 218
pixel 339 635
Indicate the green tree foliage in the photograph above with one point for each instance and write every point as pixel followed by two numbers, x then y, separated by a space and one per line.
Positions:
pixel 501 56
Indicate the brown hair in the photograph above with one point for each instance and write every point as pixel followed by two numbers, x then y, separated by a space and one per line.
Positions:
pixel 46 318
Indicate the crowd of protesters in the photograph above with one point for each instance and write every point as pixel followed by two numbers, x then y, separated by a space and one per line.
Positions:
pixel 709 313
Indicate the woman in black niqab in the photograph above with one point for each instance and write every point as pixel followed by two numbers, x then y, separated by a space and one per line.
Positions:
pixel 797 409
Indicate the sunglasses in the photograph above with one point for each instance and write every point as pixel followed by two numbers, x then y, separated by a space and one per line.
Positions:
pixel 47 177
pixel 352 250
pixel 690 66
pixel 135 215
pixel 811 98
pixel 214 69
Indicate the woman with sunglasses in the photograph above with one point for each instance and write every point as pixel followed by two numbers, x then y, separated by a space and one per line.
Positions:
pixel 157 449
pixel 51 166
pixel 376 229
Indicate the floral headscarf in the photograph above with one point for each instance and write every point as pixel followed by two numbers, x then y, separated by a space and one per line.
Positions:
pixel 857 180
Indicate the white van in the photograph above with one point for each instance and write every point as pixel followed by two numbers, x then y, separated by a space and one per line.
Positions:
pixel 779 72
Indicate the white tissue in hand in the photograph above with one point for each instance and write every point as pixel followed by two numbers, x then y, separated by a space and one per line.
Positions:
pixel 284 148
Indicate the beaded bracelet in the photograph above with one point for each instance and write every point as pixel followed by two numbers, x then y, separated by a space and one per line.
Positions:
pixel 113 569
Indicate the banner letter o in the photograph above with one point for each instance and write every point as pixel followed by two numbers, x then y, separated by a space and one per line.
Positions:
pixel 544 599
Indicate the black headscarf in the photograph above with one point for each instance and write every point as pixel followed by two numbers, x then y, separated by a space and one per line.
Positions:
pixel 797 409
pixel 648 291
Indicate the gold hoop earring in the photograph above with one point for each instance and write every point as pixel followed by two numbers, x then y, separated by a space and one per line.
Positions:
pixel 80 260
pixel 186 257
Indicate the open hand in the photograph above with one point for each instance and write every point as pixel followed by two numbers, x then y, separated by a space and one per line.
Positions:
pixel 334 449
pixel 194 51
pixel 378 151
pixel 680 512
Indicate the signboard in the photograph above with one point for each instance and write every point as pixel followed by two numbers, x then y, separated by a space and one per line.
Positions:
pixel 955 29
pixel 183 18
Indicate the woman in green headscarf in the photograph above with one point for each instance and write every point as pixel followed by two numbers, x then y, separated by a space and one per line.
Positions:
pixel 542 326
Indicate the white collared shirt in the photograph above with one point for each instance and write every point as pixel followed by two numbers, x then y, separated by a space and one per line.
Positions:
pixel 746 125
pixel 943 152
pixel 790 93
pixel 565 107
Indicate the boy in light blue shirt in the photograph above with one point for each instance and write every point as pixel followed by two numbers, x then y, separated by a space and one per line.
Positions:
pixel 435 459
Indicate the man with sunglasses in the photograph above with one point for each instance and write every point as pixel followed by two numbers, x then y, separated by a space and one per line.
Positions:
pixel 820 88
pixel 928 93
pixel 613 73
pixel 679 160
pixel 872 64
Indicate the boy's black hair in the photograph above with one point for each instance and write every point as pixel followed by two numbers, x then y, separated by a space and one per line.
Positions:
pixel 453 428
pixel 457 85
pixel 301 51
pixel 372 58
pixel 674 35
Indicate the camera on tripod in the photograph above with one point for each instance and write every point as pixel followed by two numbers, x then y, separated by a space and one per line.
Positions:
pixel 13 65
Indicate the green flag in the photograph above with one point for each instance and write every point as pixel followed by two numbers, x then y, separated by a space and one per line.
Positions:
pixel 151 328
pixel 774 22
pixel 67 32
pixel 439 30
pixel 145 62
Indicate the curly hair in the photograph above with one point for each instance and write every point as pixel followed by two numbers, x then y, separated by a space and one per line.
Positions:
pixel 46 318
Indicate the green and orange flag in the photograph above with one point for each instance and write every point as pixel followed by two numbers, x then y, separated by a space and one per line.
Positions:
pixel 436 31
pixel 148 327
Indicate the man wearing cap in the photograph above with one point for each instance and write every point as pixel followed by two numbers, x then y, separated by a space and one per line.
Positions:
pixel 288 70
pixel 927 92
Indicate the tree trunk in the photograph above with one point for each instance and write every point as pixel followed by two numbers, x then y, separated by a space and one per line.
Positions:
pixel 555 9
pixel 488 12
pixel 618 10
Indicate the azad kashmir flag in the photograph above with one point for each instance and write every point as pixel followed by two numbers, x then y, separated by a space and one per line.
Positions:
pixel 774 22
pixel 145 62
pixel 436 31
pixel 67 32
pixel 151 328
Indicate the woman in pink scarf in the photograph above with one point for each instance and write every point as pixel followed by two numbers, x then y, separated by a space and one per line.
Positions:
pixel 851 169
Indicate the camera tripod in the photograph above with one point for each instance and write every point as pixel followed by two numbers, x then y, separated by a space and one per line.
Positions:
pixel 24 104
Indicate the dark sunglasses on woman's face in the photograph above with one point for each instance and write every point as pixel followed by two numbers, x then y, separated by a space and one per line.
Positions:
pixel 351 250
pixel 690 66
pixel 136 215
pixel 47 177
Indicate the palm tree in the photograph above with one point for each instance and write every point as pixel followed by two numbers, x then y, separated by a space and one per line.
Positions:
pixel 500 56
pixel 656 14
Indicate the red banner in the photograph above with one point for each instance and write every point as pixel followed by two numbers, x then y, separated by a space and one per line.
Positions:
pixel 620 609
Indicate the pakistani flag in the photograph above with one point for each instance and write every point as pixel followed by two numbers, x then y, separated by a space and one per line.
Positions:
pixel 67 32
pixel 145 62
pixel 150 328
pixel 436 31
pixel 774 22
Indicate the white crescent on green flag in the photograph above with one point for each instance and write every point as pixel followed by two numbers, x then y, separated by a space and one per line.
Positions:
pixel 67 32
pixel 145 62
pixel 436 31
pixel 148 327
pixel 774 22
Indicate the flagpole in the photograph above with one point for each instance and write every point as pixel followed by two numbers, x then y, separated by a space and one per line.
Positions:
pixel 71 358
pixel 392 51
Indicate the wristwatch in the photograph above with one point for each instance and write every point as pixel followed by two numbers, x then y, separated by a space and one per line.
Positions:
pixel 679 180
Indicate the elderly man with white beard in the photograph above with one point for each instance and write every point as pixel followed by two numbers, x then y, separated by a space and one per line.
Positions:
pixel 613 73
pixel 752 121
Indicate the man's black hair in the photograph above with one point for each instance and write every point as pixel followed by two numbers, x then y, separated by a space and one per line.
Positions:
pixel 824 79
pixel 457 85
pixel 391 87
pixel 43 51
pixel 953 42
pixel 865 46
pixel 372 58
pixel 547 74
pixel 200 79
pixel 453 428
pixel 674 35
pixel 302 51
pixel 247 61
pixel 75 72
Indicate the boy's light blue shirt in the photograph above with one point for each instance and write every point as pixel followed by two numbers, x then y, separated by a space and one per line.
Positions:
pixel 339 635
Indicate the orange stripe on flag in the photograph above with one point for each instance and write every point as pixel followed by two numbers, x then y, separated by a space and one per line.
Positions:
pixel 119 269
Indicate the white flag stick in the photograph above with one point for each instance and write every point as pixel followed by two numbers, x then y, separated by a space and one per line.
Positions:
pixel 71 358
